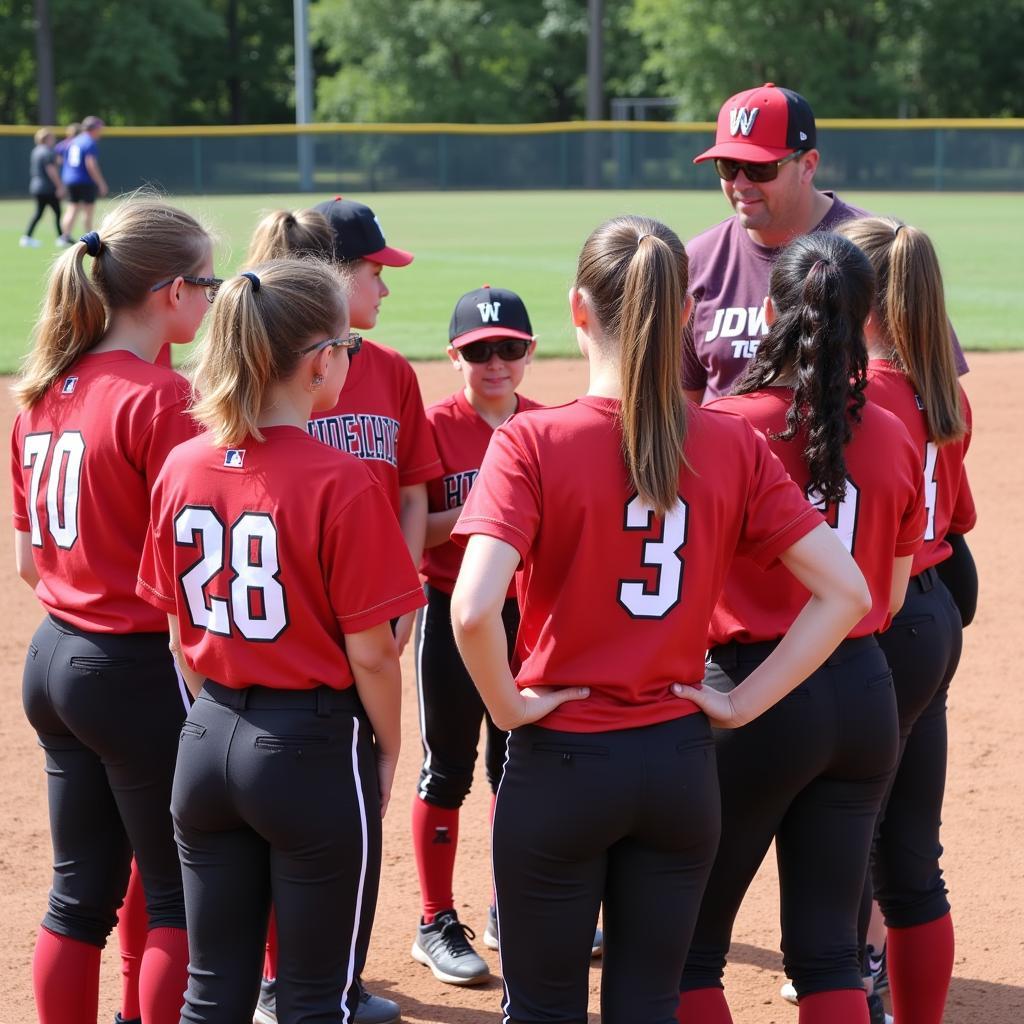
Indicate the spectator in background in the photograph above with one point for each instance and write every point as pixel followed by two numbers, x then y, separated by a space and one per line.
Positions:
pixel 71 133
pixel 44 184
pixel 82 175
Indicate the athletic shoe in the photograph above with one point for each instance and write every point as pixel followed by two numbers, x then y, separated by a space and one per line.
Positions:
pixel 788 992
pixel 491 934
pixel 118 1019
pixel 370 1009
pixel 878 967
pixel 62 241
pixel 27 242
pixel 444 947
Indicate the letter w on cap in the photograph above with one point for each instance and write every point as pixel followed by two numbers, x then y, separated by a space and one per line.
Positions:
pixel 488 311
pixel 741 120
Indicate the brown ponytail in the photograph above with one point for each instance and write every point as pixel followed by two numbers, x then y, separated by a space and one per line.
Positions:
pixel 284 235
pixel 140 243
pixel 634 271
pixel 260 321
pixel 911 310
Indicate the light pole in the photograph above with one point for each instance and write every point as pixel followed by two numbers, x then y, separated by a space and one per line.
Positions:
pixel 303 93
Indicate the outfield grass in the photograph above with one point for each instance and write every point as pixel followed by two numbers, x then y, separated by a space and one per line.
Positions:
pixel 528 241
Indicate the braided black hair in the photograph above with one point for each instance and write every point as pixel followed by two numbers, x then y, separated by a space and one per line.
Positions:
pixel 822 287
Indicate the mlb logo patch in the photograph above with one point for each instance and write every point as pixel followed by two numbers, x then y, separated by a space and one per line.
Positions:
pixel 68 387
pixel 234 458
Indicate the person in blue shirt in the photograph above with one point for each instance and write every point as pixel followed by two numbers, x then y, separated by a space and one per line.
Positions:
pixel 83 178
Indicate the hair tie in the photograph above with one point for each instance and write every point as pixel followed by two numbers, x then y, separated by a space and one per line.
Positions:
pixel 819 263
pixel 896 230
pixel 642 237
pixel 253 278
pixel 93 245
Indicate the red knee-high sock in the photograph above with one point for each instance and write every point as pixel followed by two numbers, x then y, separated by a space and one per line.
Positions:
pixel 163 975
pixel 270 960
pixel 435 838
pixel 132 928
pixel 66 979
pixel 840 1006
pixel 703 1006
pixel 920 966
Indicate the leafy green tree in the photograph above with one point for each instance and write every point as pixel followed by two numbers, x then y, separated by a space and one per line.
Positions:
pixel 18 92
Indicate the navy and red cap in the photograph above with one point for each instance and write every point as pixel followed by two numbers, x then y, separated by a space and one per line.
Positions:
pixel 489 313
pixel 358 234
pixel 761 125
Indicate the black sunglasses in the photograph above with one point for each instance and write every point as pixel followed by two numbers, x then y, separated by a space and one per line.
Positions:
pixel 209 284
pixel 352 341
pixel 757 173
pixel 509 350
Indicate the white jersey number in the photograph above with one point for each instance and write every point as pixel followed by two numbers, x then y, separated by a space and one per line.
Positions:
pixel 842 517
pixel 257 605
pixel 661 553
pixel 931 486
pixel 62 486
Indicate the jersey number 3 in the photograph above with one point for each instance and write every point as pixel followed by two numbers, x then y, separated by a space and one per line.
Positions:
pixel 62 485
pixel 257 606
pixel 662 553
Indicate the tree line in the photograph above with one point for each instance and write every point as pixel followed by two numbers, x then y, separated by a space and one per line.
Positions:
pixel 231 61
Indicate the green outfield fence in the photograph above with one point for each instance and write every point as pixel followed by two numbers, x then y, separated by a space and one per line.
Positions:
pixel 915 155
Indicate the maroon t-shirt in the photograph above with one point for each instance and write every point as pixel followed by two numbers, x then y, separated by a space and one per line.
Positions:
pixel 729 281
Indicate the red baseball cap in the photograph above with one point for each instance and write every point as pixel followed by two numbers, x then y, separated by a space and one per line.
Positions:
pixel 762 125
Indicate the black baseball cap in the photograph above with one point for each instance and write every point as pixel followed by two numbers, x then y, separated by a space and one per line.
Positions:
pixel 762 125
pixel 358 234
pixel 489 313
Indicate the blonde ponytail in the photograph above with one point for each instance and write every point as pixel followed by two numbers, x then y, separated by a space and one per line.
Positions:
pixel 285 235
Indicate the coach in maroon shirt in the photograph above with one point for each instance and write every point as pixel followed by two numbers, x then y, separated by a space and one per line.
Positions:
pixel 765 154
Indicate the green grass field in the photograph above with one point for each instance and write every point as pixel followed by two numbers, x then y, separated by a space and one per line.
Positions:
pixel 528 241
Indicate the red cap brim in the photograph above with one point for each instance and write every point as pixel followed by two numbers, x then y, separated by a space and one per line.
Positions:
pixel 390 257
pixel 485 333
pixel 743 151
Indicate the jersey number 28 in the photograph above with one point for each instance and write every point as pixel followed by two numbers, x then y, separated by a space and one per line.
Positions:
pixel 257 607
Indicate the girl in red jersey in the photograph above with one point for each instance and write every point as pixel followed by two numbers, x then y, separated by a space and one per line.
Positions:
pixel 97 421
pixel 291 656
pixel 811 774
pixel 625 509
pixel 491 344
pixel 912 374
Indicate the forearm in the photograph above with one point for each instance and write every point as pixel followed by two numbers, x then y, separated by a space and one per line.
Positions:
pixel 380 691
pixel 440 526
pixel 412 518
pixel 483 645
pixel 193 680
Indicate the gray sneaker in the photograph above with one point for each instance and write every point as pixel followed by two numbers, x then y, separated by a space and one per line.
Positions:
pixel 491 934
pixel 444 947
pixel 369 1010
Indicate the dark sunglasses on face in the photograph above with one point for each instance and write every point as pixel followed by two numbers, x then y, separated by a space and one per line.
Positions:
pixel 208 284
pixel 352 341
pixel 756 173
pixel 509 350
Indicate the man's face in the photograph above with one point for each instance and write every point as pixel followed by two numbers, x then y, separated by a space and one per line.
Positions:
pixel 773 206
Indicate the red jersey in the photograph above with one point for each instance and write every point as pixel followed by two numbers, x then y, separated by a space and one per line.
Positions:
pixel 612 597
pixel 269 553
pixel 379 418
pixel 83 462
pixel 462 436
pixel 947 494
pixel 881 518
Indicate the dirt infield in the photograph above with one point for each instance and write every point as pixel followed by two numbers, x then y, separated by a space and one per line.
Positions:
pixel 983 832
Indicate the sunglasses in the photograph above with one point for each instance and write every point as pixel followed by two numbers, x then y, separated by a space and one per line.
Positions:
pixel 208 284
pixel 509 350
pixel 757 173
pixel 352 341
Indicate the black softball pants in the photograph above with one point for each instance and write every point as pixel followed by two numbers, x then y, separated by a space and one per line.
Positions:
pixel 450 706
pixel 810 773
pixel 276 802
pixel 923 647
pixel 629 819
pixel 107 709
pixel 44 203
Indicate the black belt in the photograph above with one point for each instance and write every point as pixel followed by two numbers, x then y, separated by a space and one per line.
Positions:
pixel 323 700
pixel 925 581
pixel 732 654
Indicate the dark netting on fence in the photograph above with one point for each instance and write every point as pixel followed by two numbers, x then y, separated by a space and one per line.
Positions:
pixel 952 159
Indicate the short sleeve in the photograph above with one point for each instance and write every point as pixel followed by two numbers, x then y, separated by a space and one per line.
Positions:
pixel 21 519
pixel 368 573
pixel 171 426
pixel 418 460
pixel 505 500
pixel 155 584
pixel 910 535
pixel 777 514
